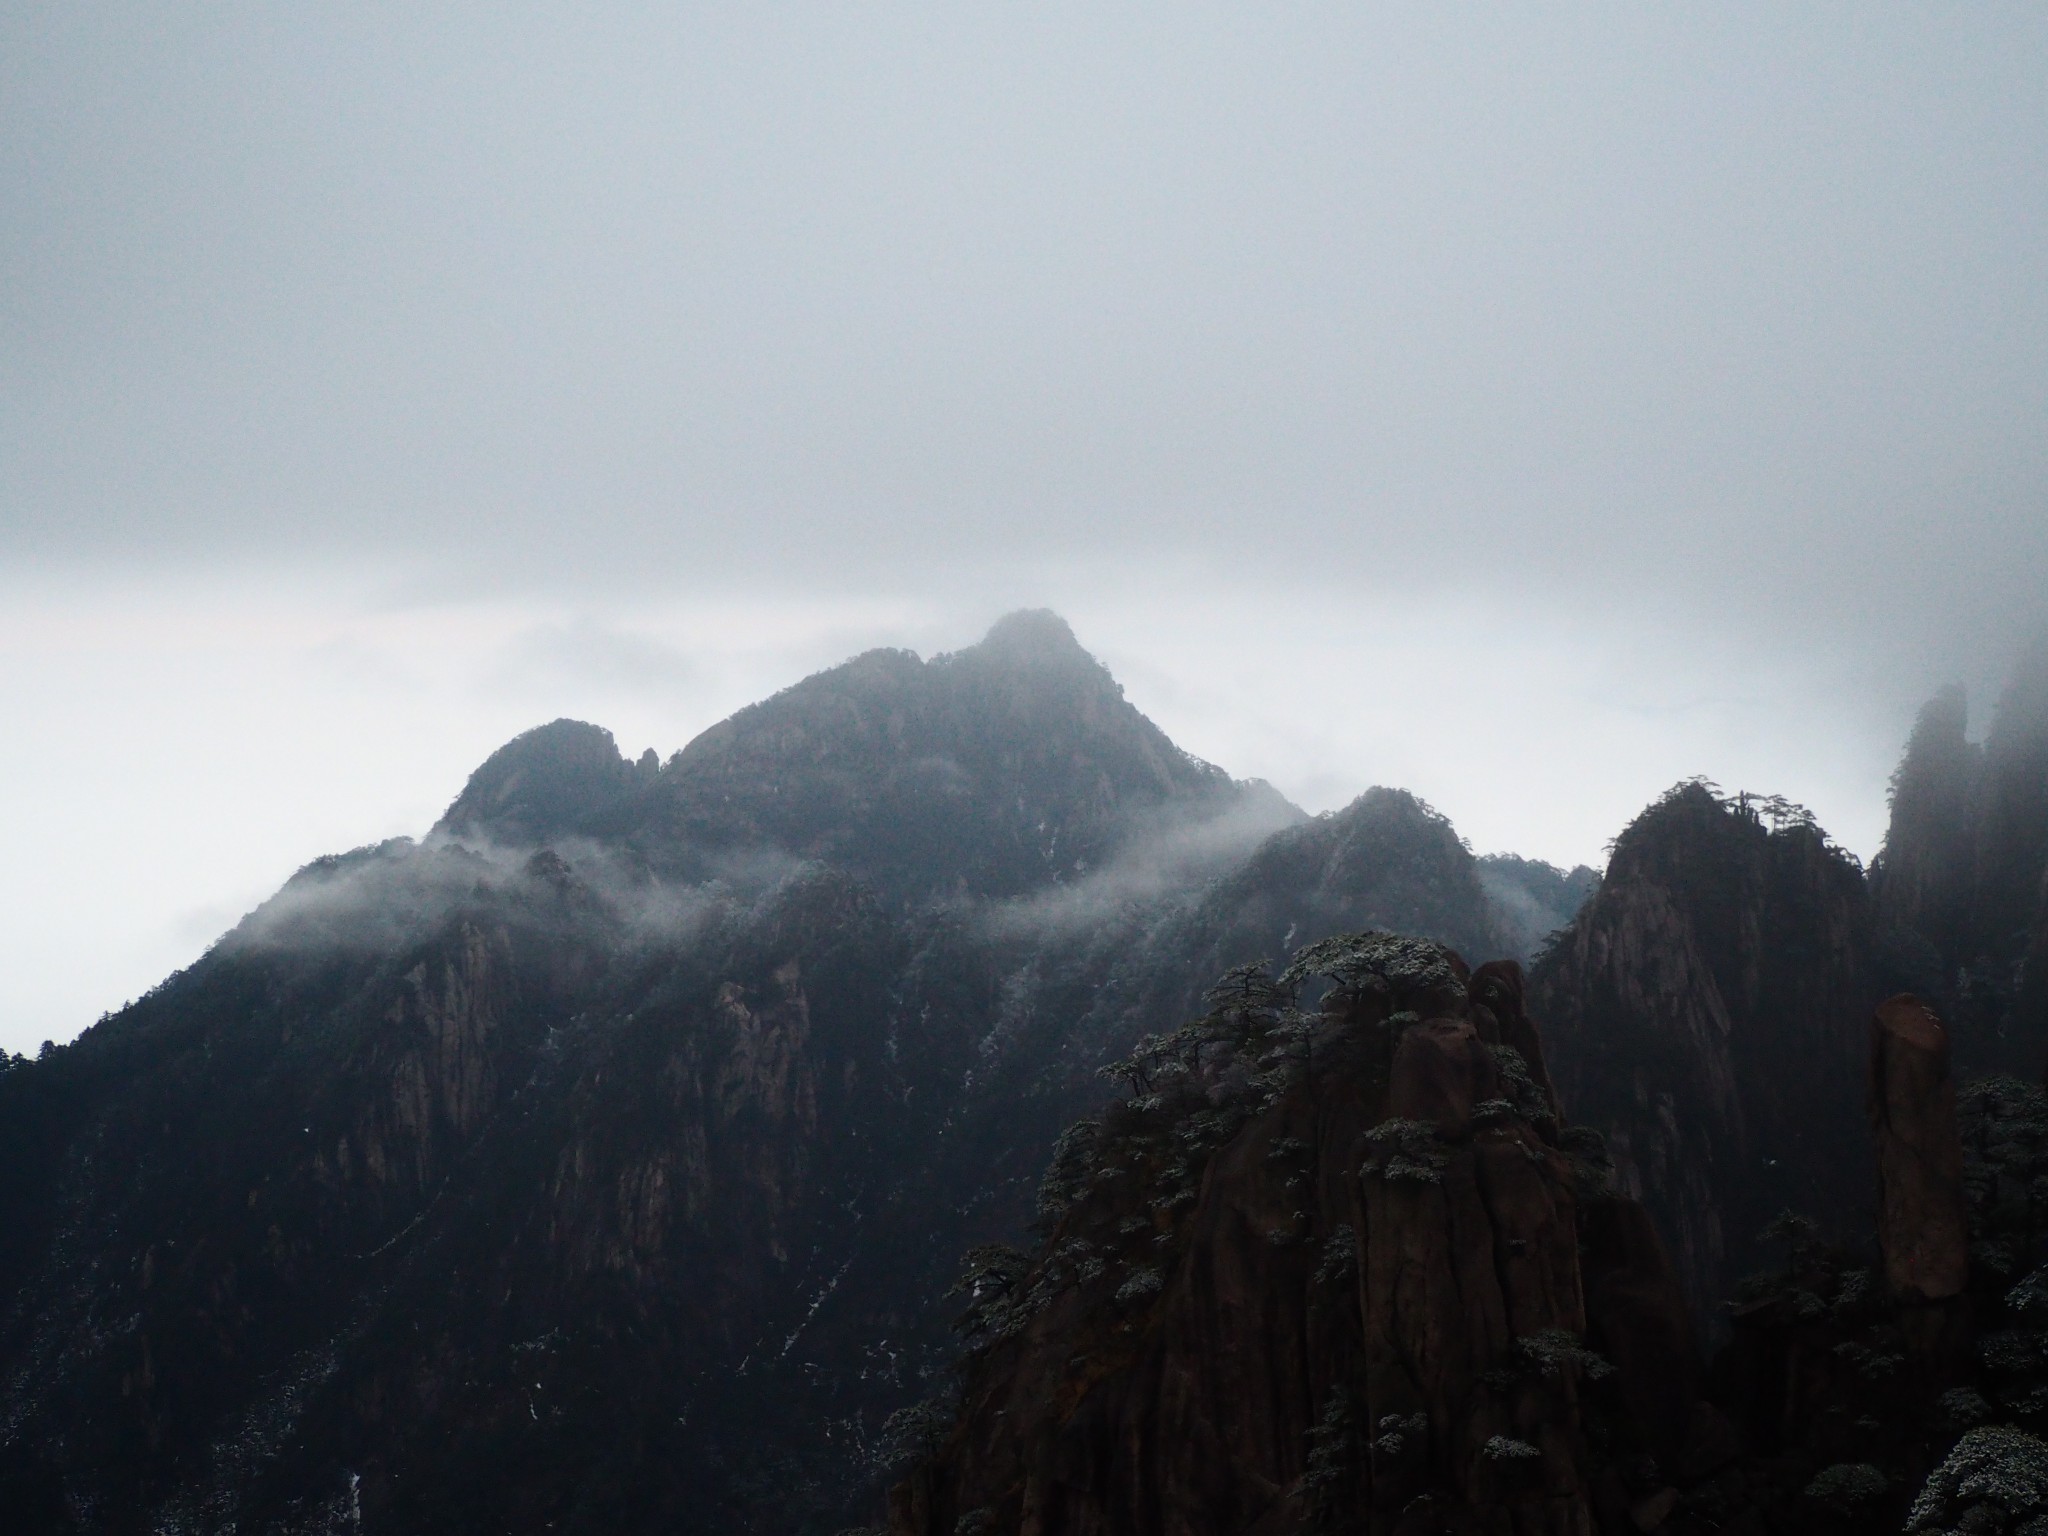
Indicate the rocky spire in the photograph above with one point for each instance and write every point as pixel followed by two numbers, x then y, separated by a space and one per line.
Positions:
pixel 1921 1222
pixel 1922 879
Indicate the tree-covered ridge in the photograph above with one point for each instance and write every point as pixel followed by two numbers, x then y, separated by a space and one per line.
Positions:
pixel 622 1175
pixel 989 771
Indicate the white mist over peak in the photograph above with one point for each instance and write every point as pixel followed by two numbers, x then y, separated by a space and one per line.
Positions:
pixel 1530 408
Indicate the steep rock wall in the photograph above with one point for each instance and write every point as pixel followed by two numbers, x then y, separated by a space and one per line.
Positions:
pixel 1371 1313
pixel 1707 1012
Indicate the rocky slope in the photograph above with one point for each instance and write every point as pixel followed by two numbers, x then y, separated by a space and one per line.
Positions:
pixel 602 1160
pixel 1337 1272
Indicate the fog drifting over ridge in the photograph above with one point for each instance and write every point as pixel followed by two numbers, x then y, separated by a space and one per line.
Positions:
pixel 279 729
pixel 1524 409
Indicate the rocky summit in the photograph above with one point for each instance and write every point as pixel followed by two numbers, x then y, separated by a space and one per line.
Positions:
pixel 933 1100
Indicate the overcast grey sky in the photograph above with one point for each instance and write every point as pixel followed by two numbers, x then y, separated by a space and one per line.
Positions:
pixel 1528 404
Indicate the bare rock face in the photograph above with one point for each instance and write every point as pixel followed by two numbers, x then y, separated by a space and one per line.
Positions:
pixel 1499 992
pixel 1706 1012
pixel 1366 1310
pixel 1641 1324
pixel 1921 1219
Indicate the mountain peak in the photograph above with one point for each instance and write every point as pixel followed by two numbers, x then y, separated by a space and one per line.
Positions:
pixel 1035 633
pixel 542 783
pixel 1008 765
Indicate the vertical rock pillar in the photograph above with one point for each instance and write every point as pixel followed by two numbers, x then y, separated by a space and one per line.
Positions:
pixel 1921 1224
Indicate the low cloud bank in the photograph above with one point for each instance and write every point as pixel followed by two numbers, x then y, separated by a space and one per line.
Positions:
pixel 386 895
pixel 1158 863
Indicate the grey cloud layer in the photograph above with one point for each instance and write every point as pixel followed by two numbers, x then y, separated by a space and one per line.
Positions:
pixel 1744 306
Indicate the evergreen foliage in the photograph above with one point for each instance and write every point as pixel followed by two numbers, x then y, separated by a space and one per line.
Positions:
pixel 1328 1483
pixel 1994 1483
pixel 1848 1487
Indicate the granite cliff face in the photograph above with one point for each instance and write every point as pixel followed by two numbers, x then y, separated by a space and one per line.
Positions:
pixel 1708 1012
pixel 1354 1272
pixel 602 1160
pixel 1708 1003
pixel 1338 1272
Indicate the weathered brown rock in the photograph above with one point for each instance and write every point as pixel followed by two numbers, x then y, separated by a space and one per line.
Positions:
pixel 1369 1319
pixel 1500 990
pixel 1639 1320
pixel 1441 1071
pixel 1921 1218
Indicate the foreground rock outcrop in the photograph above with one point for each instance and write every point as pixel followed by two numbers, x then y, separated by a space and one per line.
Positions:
pixel 1340 1272
pixel 1353 1273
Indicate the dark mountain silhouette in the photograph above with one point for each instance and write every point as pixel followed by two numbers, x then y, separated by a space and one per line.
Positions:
pixel 553 781
pixel 987 772
pixel 1707 1011
pixel 602 1160
pixel 1962 883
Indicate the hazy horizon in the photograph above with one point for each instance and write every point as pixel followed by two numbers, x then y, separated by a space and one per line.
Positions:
pixel 395 743
pixel 1528 409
